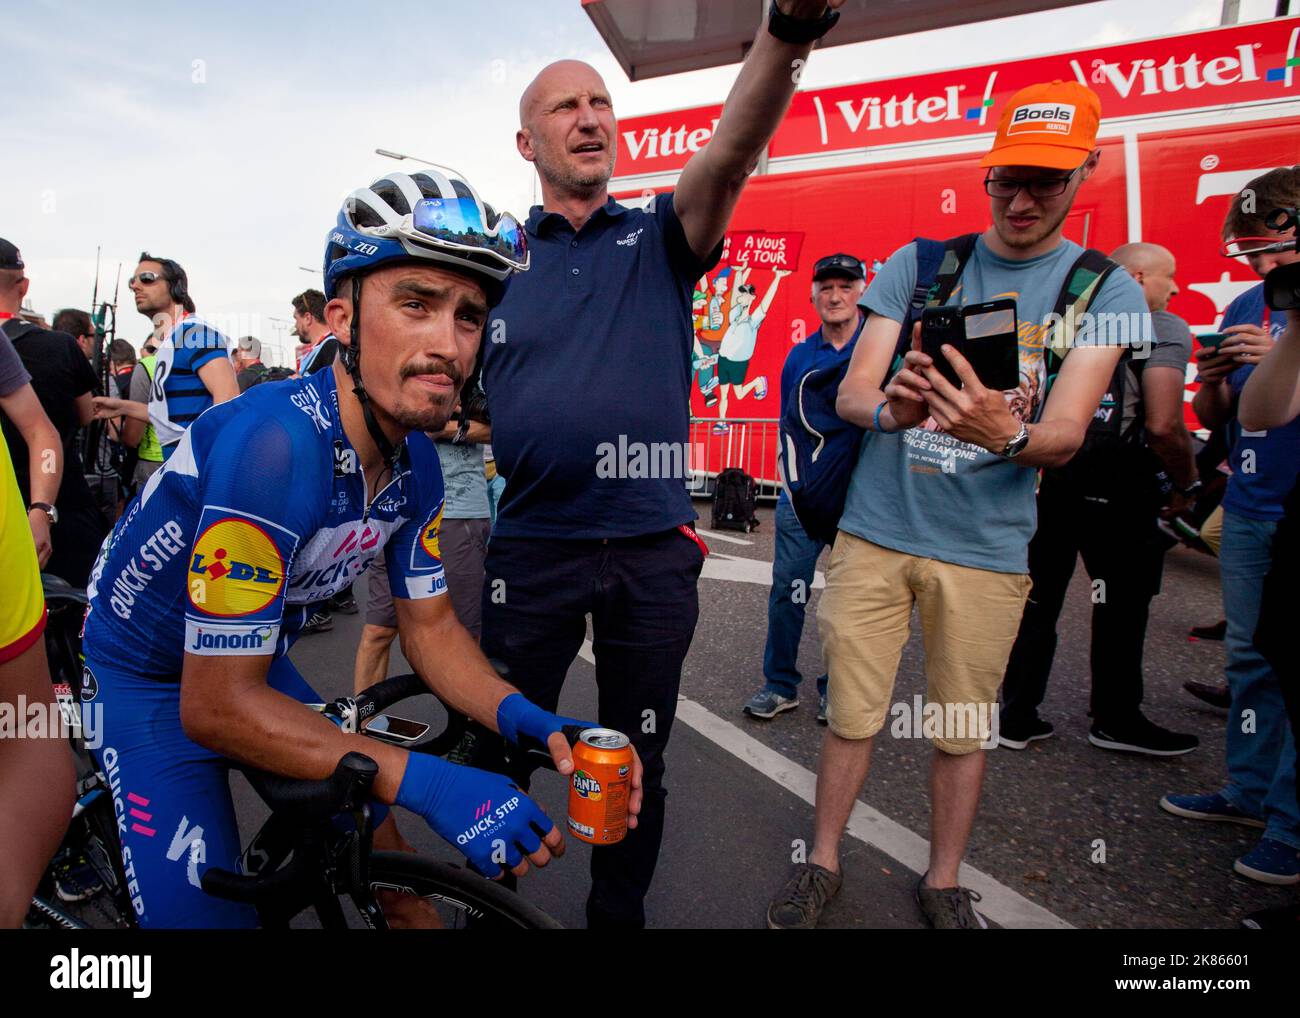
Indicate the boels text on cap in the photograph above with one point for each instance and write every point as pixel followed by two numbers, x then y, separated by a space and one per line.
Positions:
pixel 1053 125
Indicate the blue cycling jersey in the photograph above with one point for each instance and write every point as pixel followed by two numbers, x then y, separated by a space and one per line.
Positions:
pixel 258 514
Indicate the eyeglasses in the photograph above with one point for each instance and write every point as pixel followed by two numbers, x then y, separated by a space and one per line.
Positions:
pixel 747 288
pixel 1239 247
pixel 456 223
pixel 1038 187
pixel 144 277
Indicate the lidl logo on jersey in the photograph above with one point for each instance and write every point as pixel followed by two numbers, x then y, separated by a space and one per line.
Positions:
pixel 1041 118
pixel 429 536
pixel 237 565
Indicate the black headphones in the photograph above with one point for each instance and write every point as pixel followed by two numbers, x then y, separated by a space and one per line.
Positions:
pixel 176 279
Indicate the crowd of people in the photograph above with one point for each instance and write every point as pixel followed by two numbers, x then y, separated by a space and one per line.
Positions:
pixel 221 507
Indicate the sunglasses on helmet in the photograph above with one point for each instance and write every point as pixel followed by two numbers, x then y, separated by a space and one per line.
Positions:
pixel 456 223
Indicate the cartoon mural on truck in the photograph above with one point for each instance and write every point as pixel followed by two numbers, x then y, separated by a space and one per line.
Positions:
pixel 728 315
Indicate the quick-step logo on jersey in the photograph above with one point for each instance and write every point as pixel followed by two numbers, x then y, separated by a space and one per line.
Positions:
pixel 1041 118
pixel 236 583
pixel 163 545
pixel 334 557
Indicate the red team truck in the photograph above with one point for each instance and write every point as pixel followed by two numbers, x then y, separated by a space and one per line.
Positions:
pixel 1187 121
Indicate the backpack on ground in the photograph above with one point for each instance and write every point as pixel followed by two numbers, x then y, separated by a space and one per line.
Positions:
pixel 734 499
pixel 818 448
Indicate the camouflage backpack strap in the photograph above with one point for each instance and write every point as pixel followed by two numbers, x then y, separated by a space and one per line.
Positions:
pixel 938 267
pixel 1083 282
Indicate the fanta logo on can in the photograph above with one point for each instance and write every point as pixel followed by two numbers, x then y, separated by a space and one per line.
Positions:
pixel 236 569
pixel 586 786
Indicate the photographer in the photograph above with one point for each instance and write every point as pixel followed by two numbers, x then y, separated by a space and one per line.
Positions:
pixel 1261 759
pixel 1271 399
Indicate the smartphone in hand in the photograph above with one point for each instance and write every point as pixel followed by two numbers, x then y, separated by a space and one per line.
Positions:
pixel 993 343
pixel 939 326
pixel 985 334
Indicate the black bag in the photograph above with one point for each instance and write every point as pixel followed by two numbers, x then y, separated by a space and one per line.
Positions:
pixel 734 499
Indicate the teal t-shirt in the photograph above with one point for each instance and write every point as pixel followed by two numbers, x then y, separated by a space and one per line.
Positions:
pixel 463 480
pixel 925 493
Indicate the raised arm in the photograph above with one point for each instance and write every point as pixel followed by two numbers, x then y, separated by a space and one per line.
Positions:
pixel 711 183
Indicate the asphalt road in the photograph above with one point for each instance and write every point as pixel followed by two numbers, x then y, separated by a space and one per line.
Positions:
pixel 740 789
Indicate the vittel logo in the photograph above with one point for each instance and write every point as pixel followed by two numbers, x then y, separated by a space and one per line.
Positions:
pixel 875 114
pixel 651 143
pixel 1144 77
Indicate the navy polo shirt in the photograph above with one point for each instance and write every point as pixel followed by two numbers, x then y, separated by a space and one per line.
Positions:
pixel 587 367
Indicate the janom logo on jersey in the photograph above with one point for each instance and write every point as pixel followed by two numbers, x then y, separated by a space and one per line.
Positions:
pixel 236 569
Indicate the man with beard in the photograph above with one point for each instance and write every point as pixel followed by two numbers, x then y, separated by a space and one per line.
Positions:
pixel 592 351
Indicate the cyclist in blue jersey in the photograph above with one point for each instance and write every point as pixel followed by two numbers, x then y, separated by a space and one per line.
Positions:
pixel 192 369
pixel 271 503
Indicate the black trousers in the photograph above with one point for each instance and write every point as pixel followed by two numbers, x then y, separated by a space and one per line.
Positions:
pixel 1109 518
pixel 642 597
pixel 1275 635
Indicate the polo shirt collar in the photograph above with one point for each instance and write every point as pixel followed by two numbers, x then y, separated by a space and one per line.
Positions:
pixel 540 222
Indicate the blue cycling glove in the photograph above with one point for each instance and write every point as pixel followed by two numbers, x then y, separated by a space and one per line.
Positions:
pixel 482 814
pixel 517 715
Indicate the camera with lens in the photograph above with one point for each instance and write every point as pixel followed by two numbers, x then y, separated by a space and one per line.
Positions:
pixel 1282 284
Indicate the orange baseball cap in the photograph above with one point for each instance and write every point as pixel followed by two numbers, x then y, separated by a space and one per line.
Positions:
pixel 1052 124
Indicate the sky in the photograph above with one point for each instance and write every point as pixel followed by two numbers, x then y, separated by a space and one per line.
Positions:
pixel 226 136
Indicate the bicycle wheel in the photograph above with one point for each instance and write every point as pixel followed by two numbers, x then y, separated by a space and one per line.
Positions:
pixel 461 897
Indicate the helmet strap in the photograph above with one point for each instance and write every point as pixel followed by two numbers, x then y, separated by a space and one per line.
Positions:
pixel 352 361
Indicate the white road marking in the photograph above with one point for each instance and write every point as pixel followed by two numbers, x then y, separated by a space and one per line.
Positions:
pixel 1000 903
pixel 719 566
pixel 713 535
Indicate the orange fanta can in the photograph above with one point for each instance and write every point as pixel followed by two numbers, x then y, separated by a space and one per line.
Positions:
pixel 598 791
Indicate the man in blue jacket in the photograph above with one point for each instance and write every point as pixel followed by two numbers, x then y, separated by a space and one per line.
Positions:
pixel 838 283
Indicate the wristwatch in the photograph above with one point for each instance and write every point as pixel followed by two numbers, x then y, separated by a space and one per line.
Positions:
pixel 1192 489
pixel 47 509
pixel 800 30
pixel 1017 445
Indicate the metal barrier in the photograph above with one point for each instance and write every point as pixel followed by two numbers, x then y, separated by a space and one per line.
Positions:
pixel 750 443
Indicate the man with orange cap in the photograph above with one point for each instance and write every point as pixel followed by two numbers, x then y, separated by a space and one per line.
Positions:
pixel 940 509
